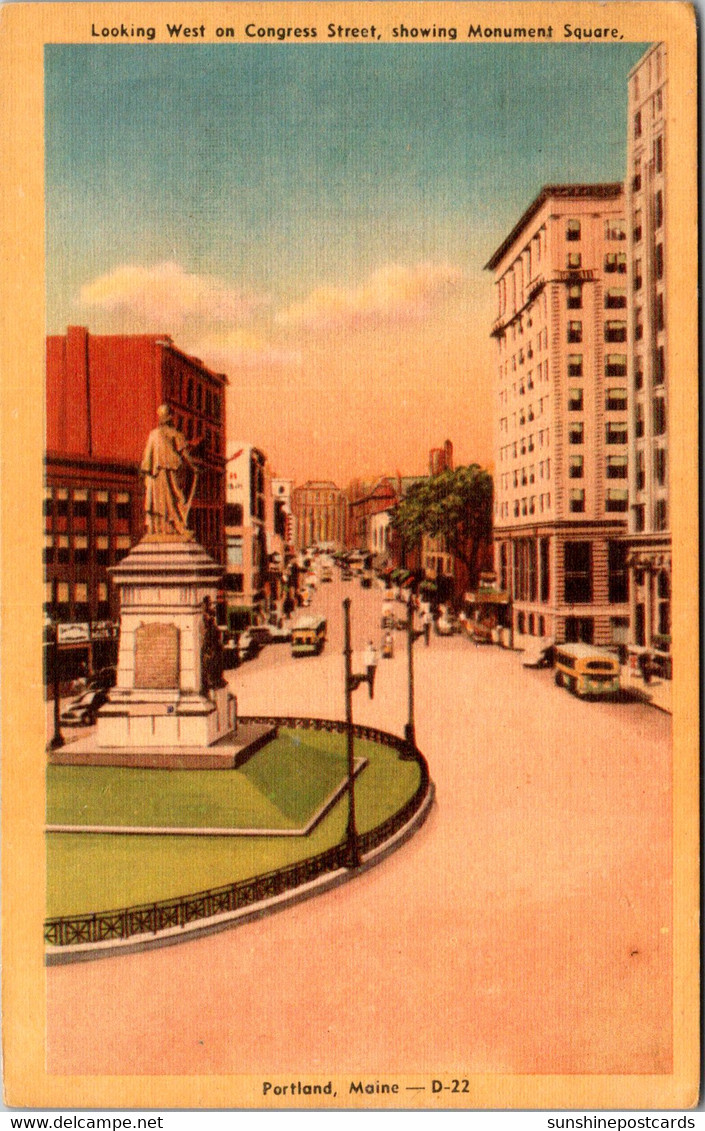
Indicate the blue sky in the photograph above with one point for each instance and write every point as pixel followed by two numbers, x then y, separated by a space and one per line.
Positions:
pixel 277 170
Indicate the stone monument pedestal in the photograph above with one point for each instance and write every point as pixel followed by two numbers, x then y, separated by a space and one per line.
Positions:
pixel 161 697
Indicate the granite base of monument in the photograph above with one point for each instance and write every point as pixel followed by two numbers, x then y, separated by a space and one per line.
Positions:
pixel 228 753
pixel 170 706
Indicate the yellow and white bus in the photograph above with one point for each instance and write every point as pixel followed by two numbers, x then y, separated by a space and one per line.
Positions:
pixel 308 636
pixel 587 671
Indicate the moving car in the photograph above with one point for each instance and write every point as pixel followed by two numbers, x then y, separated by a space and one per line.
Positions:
pixel 308 636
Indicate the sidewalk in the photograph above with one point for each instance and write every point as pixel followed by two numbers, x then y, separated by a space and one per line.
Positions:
pixel 657 692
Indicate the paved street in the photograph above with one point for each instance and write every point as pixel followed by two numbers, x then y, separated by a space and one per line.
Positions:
pixel 524 929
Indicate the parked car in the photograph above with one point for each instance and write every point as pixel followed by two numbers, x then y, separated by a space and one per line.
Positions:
pixel 103 678
pixel 262 633
pixel 83 710
pixel 279 634
pixel 542 656
pixel 447 624
pixel 248 646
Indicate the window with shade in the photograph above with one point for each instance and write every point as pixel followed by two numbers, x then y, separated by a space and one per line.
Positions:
pixel 572 230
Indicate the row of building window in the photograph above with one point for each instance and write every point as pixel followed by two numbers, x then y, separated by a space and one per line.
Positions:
pixel 615 468
pixel 615 263
pixel 59 502
pixel 658 372
pixel 525 383
pixel 659 466
pixel 637 221
pixel 615 432
pixel 203 439
pixel 526 444
pixel 659 514
pixel 194 395
pixel 615 400
pixel 70 601
pixel 656 100
pixel 658 417
pixel 525 355
pixel 530 579
pixel 62 549
pixel 614 331
pixel 657 154
pixel 615 297
pixel 658 268
pixel 614 229
pixel 616 501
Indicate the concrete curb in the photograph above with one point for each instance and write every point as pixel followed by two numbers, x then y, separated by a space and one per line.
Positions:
pixel 86 952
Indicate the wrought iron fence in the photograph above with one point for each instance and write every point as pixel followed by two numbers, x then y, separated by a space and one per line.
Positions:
pixel 151 918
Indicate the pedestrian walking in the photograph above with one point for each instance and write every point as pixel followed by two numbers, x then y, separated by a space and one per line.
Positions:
pixel 369 659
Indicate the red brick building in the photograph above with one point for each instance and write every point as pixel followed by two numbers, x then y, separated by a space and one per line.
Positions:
pixel 102 395
pixel 383 497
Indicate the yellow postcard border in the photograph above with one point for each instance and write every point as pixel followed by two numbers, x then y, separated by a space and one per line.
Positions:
pixel 24 29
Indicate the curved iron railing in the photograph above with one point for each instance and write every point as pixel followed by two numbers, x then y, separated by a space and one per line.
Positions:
pixel 151 918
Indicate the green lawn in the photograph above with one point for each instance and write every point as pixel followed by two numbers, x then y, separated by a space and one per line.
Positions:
pixel 280 787
pixel 87 872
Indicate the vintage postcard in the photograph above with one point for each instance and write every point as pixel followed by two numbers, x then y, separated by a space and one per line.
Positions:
pixel 350 716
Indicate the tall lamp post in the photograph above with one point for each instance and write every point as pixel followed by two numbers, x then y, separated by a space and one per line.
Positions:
pixel 352 682
pixel 57 740
pixel 412 634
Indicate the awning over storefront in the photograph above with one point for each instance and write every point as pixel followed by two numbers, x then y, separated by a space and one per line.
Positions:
pixel 487 597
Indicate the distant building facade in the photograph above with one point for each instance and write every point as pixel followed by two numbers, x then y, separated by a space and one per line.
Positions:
pixel 246 528
pixel 283 521
pixel 649 536
pixel 364 523
pixel 561 414
pixel 320 510
pixel 102 395
pixel 441 459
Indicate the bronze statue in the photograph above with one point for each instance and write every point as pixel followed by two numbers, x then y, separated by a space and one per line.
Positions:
pixel 166 453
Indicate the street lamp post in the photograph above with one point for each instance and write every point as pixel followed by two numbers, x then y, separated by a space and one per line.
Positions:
pixel 412 634
pixel 352 682
pixel 57 739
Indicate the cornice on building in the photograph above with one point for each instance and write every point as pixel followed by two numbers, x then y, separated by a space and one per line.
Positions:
pixel 609 191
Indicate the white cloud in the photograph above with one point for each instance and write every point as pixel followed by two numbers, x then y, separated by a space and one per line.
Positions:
pixel 164 297
pixel 393 293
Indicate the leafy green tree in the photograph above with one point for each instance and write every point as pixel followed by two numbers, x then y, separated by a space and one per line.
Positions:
pixel 455 505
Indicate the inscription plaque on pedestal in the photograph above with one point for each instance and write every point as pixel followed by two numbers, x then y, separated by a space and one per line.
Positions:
pixel 157 656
